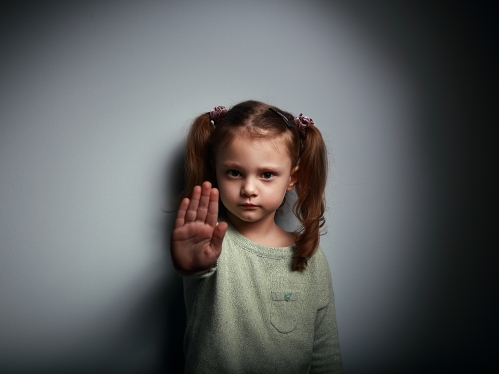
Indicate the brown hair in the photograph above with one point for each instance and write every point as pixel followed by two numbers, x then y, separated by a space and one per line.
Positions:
pixel 255 120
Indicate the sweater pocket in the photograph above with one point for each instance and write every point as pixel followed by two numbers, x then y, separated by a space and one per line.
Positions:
pixel 284 310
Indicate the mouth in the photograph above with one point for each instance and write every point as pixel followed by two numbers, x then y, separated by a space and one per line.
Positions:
pixel 249 206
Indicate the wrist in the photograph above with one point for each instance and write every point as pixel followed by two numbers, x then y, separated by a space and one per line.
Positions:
pixel 196 274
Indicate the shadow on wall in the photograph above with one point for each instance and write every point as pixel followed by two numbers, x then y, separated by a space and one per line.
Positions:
pixel 159 321
pixel 148 338
pixel 174 291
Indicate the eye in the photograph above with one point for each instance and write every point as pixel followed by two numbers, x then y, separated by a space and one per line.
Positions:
pixel 233 173
pixel 268 175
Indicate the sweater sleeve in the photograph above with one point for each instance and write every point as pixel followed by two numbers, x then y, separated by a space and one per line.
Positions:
pixel 199 274
pixel 326 356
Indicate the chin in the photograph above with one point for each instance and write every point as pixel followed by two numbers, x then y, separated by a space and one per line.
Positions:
pixel 248 219
pixel 244 217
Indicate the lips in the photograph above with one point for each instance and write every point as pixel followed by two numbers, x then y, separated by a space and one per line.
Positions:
pixel 249 206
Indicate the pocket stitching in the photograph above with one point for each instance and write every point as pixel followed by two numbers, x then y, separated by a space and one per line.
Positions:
pixel 283 313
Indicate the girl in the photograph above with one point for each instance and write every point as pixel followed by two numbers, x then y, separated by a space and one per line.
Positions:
pixel 259 299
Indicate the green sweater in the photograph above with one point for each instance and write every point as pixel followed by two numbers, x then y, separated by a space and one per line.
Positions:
pixel 253 314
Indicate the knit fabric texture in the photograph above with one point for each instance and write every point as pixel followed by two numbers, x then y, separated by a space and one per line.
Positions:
pixel 253 314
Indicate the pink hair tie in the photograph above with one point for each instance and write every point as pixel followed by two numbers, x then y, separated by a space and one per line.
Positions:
pixel 302 123
pixel 217 113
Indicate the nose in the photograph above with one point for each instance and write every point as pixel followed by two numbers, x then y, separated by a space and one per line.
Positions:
pixel 248 188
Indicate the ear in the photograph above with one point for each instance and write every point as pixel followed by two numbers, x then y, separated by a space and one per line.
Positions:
pixel 293 178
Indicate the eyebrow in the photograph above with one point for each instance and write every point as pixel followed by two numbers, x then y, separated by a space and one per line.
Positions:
pixel 235 165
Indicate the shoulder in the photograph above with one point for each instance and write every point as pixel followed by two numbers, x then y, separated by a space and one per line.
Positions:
pixel 318 263
pixel 320 276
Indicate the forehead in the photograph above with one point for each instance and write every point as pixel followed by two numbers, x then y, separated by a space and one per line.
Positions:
pixel 246 150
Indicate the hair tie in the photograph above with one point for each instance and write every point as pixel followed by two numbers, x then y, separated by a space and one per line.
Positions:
pixel 283 117
pixel 217 113
pixel 302 123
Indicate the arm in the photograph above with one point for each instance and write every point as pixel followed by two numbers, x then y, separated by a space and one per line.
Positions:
pixel 196 240
pixel 326 357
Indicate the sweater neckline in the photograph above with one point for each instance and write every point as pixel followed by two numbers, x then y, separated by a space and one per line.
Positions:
pixel 258 249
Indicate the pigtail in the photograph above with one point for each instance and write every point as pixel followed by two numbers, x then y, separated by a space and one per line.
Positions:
pixel 197 149
pixel 310 203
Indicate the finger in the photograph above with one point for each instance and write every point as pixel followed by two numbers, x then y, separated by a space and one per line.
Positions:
pixel 212 216
pixel 218 237
pixel 204 201
pixel 191 213
pixel 180 218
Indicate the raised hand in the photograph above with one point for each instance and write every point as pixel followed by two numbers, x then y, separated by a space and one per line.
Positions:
pixel 196 240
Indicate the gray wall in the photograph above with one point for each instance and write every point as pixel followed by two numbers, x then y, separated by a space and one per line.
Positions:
pixel 95 102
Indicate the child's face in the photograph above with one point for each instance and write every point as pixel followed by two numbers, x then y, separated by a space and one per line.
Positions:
pixel 253 176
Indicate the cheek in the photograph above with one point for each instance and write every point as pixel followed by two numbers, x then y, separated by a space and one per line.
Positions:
pixel 220 182
pixel 226 189
pixel 278 195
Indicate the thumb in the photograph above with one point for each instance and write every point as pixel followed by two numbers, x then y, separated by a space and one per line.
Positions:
pixel 218 236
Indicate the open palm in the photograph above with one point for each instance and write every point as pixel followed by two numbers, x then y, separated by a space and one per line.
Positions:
pixel 196 240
